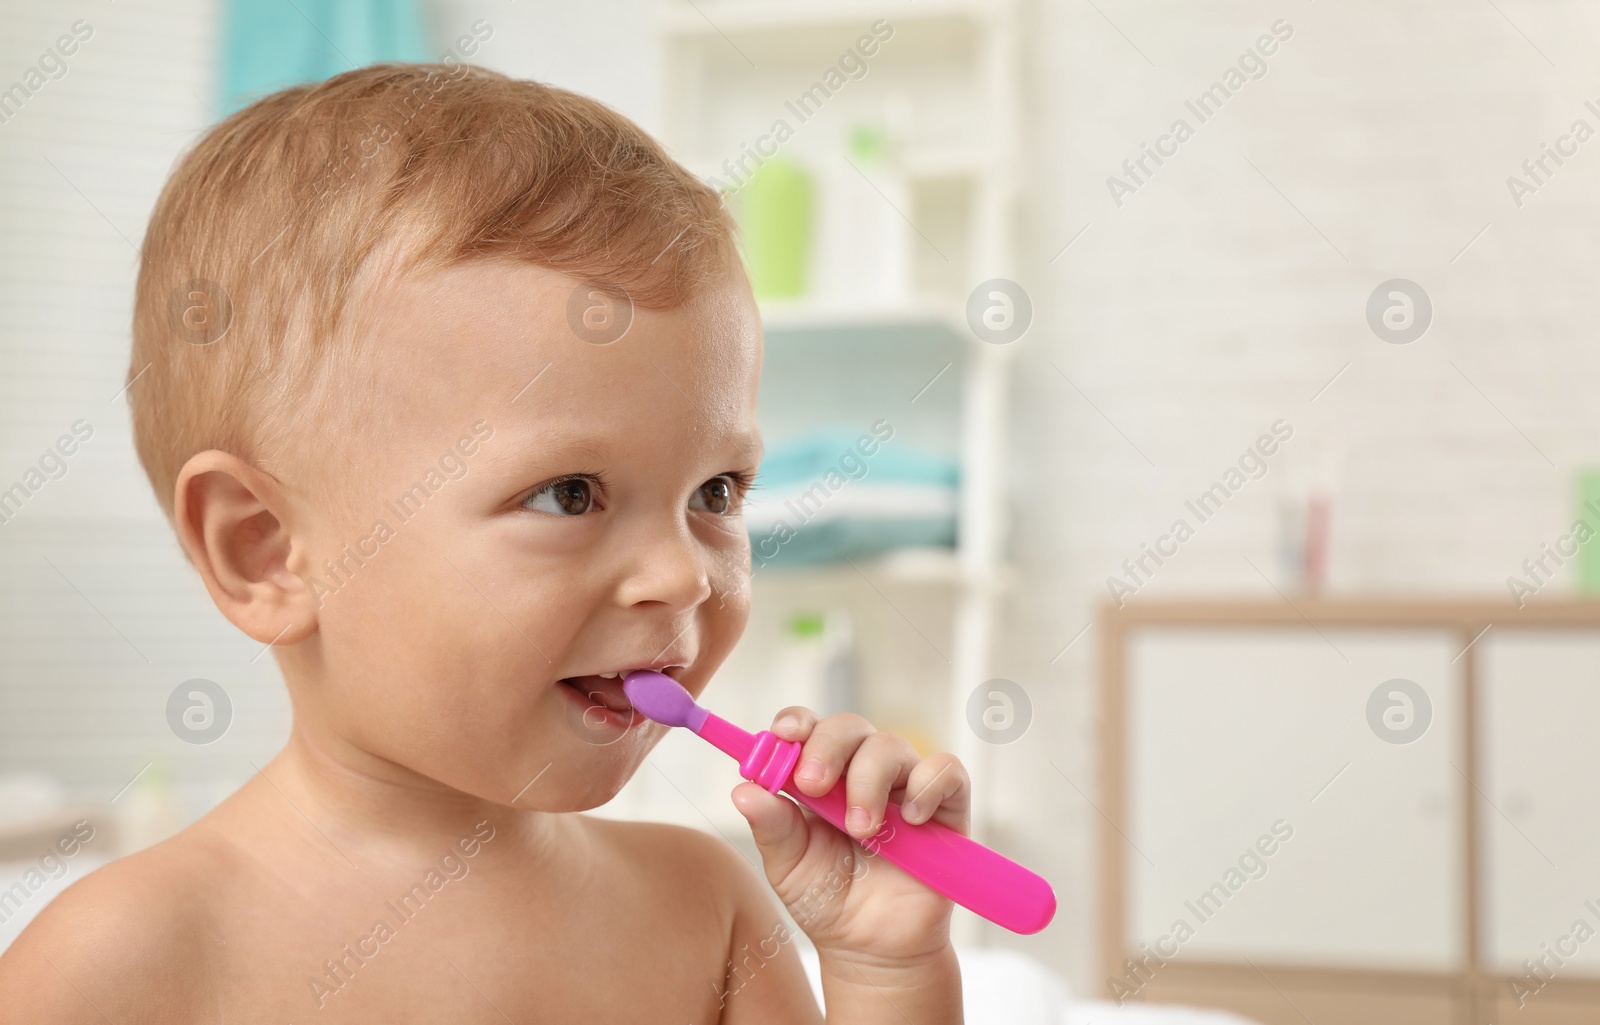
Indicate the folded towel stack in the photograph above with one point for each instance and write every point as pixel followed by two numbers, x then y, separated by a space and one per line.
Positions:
pixel 828 496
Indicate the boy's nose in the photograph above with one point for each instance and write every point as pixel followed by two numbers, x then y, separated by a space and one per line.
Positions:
pixel 668 567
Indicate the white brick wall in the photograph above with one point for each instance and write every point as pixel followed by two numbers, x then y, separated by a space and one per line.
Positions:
pixel 1206 307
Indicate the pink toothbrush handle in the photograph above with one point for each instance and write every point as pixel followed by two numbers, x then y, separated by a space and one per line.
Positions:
pixel 979 879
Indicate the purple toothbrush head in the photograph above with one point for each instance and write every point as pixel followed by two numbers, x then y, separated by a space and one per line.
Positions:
pixel 663 699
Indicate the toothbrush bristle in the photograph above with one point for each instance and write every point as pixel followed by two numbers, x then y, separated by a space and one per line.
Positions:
pixel 662 699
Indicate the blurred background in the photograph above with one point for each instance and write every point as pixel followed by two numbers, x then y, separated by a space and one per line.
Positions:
pixel 1233 455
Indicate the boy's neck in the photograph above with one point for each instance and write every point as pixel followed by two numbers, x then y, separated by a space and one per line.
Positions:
pixel 363 803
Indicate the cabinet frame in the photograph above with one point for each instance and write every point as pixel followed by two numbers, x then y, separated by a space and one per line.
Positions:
pixel 1473 991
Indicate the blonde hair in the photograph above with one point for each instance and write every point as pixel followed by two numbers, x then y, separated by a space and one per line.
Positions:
pixel 279 228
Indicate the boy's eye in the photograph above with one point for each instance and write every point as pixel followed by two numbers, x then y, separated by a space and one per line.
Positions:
pixel 715 495
pixel 569 496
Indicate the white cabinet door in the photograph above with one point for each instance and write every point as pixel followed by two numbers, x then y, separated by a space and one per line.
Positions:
pixel 1232 731
pixel 1541 758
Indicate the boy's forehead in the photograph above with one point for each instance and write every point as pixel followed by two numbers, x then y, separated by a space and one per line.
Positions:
pixel 494 339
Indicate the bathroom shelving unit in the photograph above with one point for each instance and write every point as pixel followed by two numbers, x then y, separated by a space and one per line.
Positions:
pixel 947 77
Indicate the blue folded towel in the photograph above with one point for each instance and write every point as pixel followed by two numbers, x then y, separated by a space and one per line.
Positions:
pixel 807 458
pixel 270 44
pixel 824 498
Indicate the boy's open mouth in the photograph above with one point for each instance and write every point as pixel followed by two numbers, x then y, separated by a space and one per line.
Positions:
pixel 603 690
pixel 601 706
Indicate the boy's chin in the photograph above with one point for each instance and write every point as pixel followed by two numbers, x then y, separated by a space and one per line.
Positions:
pixel 582 776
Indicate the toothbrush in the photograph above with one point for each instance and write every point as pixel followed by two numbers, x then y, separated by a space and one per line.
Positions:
pixel 960 868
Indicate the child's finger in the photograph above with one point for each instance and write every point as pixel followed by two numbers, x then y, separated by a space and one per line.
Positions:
pixel 778 827
pixel 882 763
pixel 794 723
pixel 831 744
pixel 938 783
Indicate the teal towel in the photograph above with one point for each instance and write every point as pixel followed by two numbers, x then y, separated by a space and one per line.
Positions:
pixel 268 45
pixel 803 459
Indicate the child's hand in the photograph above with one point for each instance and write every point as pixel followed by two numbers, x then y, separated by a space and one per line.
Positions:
pixel 849 900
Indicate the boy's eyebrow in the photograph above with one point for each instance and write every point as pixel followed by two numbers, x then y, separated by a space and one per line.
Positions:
pixel 751 445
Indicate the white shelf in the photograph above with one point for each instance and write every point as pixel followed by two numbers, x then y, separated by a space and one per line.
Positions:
pixel 764 34
pixel 946 162
pixel 915 163
pixel 809 314
pixel 730 67
pixel 735 18
pixel 901 567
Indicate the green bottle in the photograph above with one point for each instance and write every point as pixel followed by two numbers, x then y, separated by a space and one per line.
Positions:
pixel 775 209
pixel 1589 513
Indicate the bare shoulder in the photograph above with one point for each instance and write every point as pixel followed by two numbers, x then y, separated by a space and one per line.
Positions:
pixel 686 859
pixel 762 976
pixel 127 941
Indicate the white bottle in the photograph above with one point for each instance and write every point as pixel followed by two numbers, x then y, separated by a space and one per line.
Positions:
pixel 815 663
pixel 148 813
pixel 798 664
pixel 866 239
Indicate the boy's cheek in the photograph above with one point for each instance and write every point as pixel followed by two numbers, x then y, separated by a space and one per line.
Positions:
pixel 727 608
pixel 730 569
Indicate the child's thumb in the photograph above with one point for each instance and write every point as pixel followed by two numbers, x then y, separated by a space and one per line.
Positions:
pixel 778 826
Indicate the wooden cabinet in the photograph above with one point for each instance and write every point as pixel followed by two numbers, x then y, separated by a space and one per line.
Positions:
pixel 1541 835
pixel 1356 812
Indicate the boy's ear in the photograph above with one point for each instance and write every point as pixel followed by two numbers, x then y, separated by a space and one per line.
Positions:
pixel 230 519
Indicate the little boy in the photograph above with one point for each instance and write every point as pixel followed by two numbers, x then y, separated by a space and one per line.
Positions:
pixel 447 382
